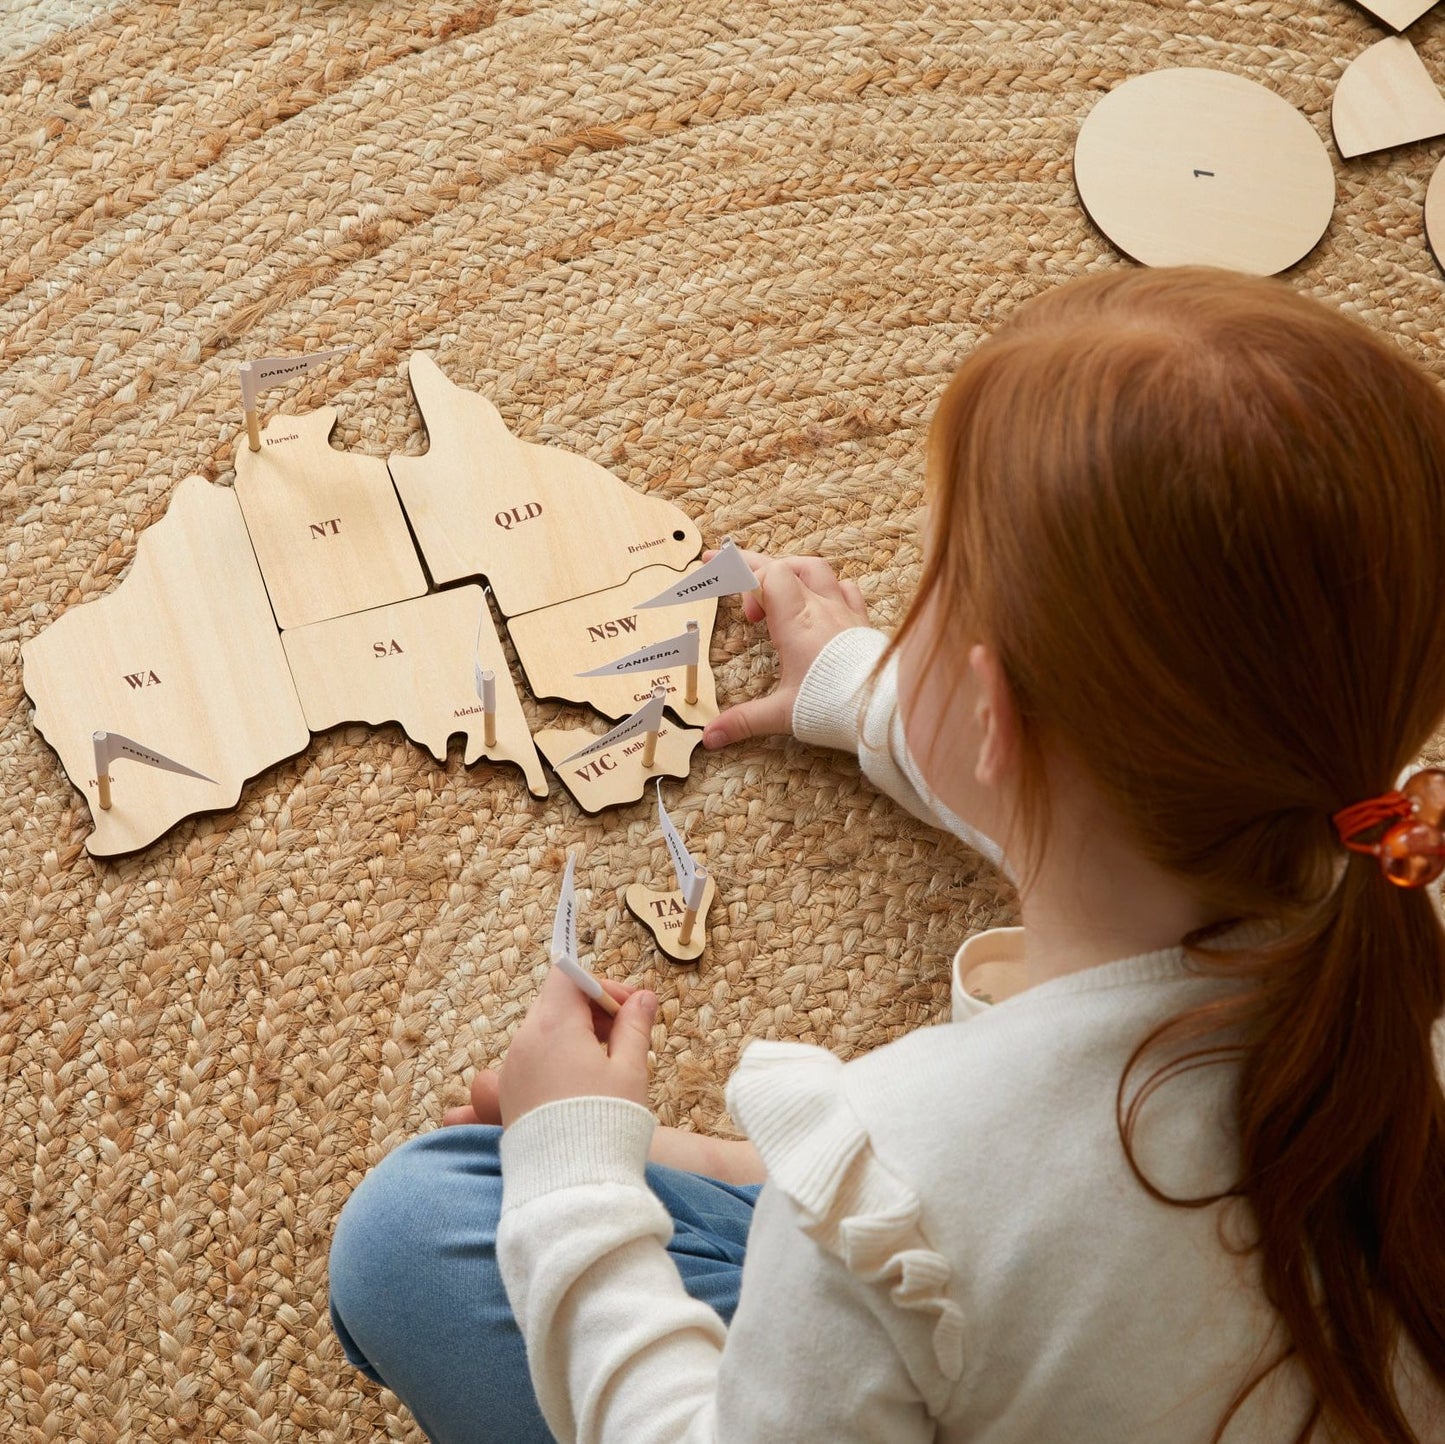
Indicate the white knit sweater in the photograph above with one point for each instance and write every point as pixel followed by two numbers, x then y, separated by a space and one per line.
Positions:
pixel 951 1244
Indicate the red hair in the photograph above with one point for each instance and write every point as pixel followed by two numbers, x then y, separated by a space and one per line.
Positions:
pixel 1201 521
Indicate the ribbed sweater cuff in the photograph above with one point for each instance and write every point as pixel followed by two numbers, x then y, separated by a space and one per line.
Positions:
pixel 828 706
pixel 574 1141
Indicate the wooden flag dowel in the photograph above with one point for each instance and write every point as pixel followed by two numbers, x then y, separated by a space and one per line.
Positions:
pixel 689 917
pixel 100 742
pixel 489 708
pixel 690 696
pixel 253 431
pixel 649 747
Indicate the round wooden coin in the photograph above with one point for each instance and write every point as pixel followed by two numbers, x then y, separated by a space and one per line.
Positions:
pixel 1435 214
pixel 1199 167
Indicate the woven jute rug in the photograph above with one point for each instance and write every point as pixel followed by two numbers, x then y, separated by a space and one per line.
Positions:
pixel 730 249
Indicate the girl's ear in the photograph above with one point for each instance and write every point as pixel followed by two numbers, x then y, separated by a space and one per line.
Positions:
pixel 995 717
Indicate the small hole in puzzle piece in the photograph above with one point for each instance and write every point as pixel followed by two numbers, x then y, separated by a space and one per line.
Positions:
pixel 679 535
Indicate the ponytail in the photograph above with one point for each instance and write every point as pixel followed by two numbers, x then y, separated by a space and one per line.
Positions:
pixel 1200 519
pixel 1341 1123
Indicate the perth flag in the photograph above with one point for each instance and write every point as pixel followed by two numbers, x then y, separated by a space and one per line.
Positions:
pixel 678 651
pixel 647 718
pixel 257 375
pixel 725 574
pixel 109 746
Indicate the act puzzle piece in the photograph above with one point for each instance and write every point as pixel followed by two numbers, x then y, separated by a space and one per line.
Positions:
pixel 615 774
pixel 327 527
pixel 413 663
pixel 1200 167
pixel 662 913
pixel 184 656
pixel 541 524
pixel 557 643
pixel 1385 98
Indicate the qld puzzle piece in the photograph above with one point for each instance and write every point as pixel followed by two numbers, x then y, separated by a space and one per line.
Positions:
pixel 183 656
pixel 542 525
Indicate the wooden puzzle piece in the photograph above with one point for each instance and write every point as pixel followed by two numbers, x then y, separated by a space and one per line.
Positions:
pixel 1199 167
pixel 558 642
pixel 615 775
pixel 1397 14
pixel 184 657
pixel 1386 98
pixel 326 524
pixel 413 663
pixel 662 914
pixel 541 524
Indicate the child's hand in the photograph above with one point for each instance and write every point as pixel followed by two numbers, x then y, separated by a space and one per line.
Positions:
pixel 567 1048
pixel 805 606
pixel 486 1105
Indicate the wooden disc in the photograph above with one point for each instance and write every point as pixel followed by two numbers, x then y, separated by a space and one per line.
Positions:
pixel 1435 214
pixel 1198 167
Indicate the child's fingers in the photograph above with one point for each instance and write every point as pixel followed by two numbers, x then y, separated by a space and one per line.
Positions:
pixel 760 717
pixel 854 597
pixel 461 1114
pixel 632 1033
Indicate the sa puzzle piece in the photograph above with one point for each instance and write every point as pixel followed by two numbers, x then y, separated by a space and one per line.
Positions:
pixel 184 657
pixel 326 524
pixel 413 663
pixel 662 914
pixel 542 525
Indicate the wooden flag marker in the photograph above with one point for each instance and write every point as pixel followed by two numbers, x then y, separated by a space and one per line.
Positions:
pixel 145 657
pixel 416 663
pixel 724 576
pixel 541 524
pixel 1200 167
pixel 673 917
pixel 1385 98
pixel 564 944
pixel 109 746
pixel 265 371
pixel 327 527
pixel 570 650
pixel 488 693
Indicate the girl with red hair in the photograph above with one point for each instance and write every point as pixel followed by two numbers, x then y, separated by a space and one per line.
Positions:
pixel 1180 1174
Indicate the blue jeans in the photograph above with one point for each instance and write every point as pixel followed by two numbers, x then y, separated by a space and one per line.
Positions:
pixel 417 1299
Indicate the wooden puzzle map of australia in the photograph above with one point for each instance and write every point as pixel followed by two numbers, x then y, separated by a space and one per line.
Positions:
pixel 295 601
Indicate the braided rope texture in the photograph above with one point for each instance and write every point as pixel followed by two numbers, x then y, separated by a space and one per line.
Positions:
pixel 732 249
